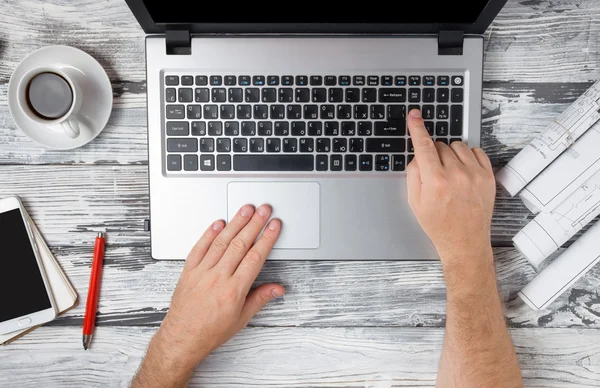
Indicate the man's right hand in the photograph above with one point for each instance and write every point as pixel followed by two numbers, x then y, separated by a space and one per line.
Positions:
pixel 451 190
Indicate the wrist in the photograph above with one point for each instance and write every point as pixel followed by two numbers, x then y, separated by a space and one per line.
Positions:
pixel 469 271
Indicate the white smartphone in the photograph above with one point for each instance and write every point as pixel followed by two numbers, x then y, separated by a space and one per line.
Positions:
pixel 25 297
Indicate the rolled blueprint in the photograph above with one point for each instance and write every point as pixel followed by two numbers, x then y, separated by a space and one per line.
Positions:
pixel 564 271
pixel 556 138
pixel 566 174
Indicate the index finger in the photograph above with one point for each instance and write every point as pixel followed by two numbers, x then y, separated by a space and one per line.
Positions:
pixel 425 151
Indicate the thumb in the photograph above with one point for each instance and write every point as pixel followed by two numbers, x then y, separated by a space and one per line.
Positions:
pixel 258 298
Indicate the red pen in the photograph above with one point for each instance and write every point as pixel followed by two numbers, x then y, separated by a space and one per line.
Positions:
pixel 91 305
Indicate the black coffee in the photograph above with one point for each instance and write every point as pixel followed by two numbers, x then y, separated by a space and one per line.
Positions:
pixel 49 96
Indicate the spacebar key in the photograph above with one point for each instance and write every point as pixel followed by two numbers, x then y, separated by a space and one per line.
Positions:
pixel 273 162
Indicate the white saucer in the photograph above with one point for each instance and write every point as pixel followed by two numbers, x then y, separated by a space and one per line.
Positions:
pixel 95 87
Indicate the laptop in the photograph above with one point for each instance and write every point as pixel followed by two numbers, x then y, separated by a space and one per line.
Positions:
pixel 304 108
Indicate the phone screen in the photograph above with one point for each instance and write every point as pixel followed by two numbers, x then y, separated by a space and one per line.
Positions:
pixel 22 289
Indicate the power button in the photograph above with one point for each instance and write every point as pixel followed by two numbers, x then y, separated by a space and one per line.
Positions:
pixel 457 80
pixel 24 322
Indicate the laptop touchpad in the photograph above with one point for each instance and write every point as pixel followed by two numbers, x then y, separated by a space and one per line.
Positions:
pixel 296 204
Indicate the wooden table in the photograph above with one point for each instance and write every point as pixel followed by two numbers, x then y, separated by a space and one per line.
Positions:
pixel 365 324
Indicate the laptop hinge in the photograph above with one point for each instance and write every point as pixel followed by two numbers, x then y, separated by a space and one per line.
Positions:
pixel 179 42
pixel 450 43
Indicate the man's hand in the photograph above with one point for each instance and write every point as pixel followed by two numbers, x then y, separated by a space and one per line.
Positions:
pixel 212 300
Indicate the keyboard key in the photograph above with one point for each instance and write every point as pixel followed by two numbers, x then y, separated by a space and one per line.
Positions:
pixel 414 95
pixel 348 128
pixel 178 128
pixel 294 112
pixel 257 145
pixel 175 112
pixel 429 127
pixel 428 95
pixel 298 128
pixel 428 112
pixel 340 145
pixel 365 128
pixel 369 95
pixel 344 80
pixel 315 128
pixel 457 80
pixel 216 80
pixel 287 80
pixel 344 112
pixel 223 144
pixel 273 162
pixel 215 128
pixel 211 111
pixel 445 141
pixel 336 94
pixel 207 162
pixel 413 106
pixel 382 167
pixel 182 145
pixel 273 145
pixel 258 80
pixel 350 162
pixel 201 95
pixel 240 144
pixel 441 128
pixel 398 163
pixel 248 128
pixel 187 80
pixel 382 159
pixel 170 95
pixel 301 80
pixel 414 80
pixel 365 162
pixel 195 112
pixel 307 144
pixel 273 80
pixel 173 162
pixel 396 112
pixel 336 162
pixel 172 80
pixel 387 80
pixel 277 112
pixel 230 80
pixel 390 128
pixel 352 95
pixel 219 95
pixel 244 112
pixel 323 144
pixel 302 94
pixel 428 80
pixel 361 112
pixel 457 95
pixel 443 80
pixel 322 162
pixel 456 119
pixel 442 95
pixel 244 80
pixel 290 145
pixel 327 112
pixel 232 128
pixel 377 112
pixel 269 95
pixel 332 128
pixel 455 139
pixel 392 94
pixel 201 80
pixel 207 145
pixel 358 80
pixel 252 94
pixel 400 80
pixel 282 128
pixel 442 112
pixel 373 80
pixel 286 95
pixel 223 162
pixel 319 95
pixel 235 95
pixel 265 128
pixel 316 80
pixel 199 128
pixel 227 112
pixel 311 112
pixel 330 80
pixel 356 145
pixel 386 145
pixel 261 112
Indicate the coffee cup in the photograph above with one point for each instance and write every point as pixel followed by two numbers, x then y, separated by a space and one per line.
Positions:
pixel 51 97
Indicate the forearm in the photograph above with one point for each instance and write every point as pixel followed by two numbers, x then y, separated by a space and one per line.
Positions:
pixel 477 351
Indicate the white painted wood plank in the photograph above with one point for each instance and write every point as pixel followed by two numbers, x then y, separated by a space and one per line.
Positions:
pixel 293 357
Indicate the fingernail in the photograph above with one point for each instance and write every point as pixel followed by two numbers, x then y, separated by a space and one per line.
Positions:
pixel 277 293
pixel 273 225
pixel 415 113
pixel 262 211
pixel 218 225
pixel 246 211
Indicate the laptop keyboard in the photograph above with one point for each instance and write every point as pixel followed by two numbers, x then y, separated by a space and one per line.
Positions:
pixel 302 123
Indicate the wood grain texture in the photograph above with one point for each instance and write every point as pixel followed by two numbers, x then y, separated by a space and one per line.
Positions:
pixel 293 357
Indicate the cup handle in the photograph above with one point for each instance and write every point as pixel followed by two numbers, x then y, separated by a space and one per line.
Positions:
pixel 70 127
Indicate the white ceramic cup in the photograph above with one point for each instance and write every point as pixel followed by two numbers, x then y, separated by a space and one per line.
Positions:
pixel 67 124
